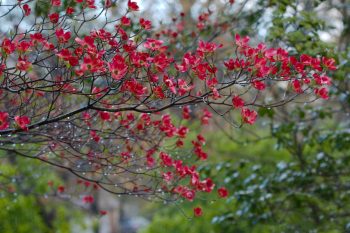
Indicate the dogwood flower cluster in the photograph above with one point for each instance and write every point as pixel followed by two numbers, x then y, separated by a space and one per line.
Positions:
pixel 100 99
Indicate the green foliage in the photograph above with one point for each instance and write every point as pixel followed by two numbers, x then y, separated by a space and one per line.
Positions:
pixel 25 199
pixel 269 190
pixel 42 8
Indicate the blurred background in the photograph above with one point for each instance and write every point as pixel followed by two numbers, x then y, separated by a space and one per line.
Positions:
pixel 290 172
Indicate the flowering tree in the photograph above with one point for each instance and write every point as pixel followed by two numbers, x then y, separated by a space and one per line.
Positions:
pixel 97 102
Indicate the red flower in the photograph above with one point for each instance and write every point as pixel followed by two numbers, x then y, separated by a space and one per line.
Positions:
pixel 62 36
pixel 146 24
pixel 87 184
pixel 150 161
pixel 26 9
pixel 230 64
pixel 189 194
pixel 134 87
pixel 167 176
pixel 241 42
pixel 23 46
pixel 7 46
pixel 206 185
pixel 125 155
pixel 182 131
pixel 94 136
pixel 125 36
pixel 56 2
pixel 37 37
pixel 48 45
pixel 237 102
pixel 201 139
pixel 259 85
pixel 197 211
pixel 73 61
pixel 54 17
pixel 159 92
pixel 184 87
pixel 64 54
pixel 88 199
pixel 211 83
pixel 105 116
pixel 153 44
pixel 186 112
pixel 60 189
pixel 169 83
pixel 207 47
pixel 161 61
pixel 133 6
pixel 103 212
pixel 22 122
pixel 108 3
pixel 322 92
pixel 249 116
pixel 125 21
pixel 206 116
pixel 223 192
pixel 3 120
pixel 117 67
pixel 91 4
pixel 88 42
pixel 166 159
pixel 199 151
pixel 297 86
pixel 329 63
pixel 2 68
pixel 305 59
pixel 69 10
pixel 23 64
pixel 322 80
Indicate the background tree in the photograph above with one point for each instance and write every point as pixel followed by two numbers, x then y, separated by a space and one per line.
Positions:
pixel 302 188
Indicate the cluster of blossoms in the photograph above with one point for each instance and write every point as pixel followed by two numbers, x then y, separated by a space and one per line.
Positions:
pixel 21 121
pixel 99 99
